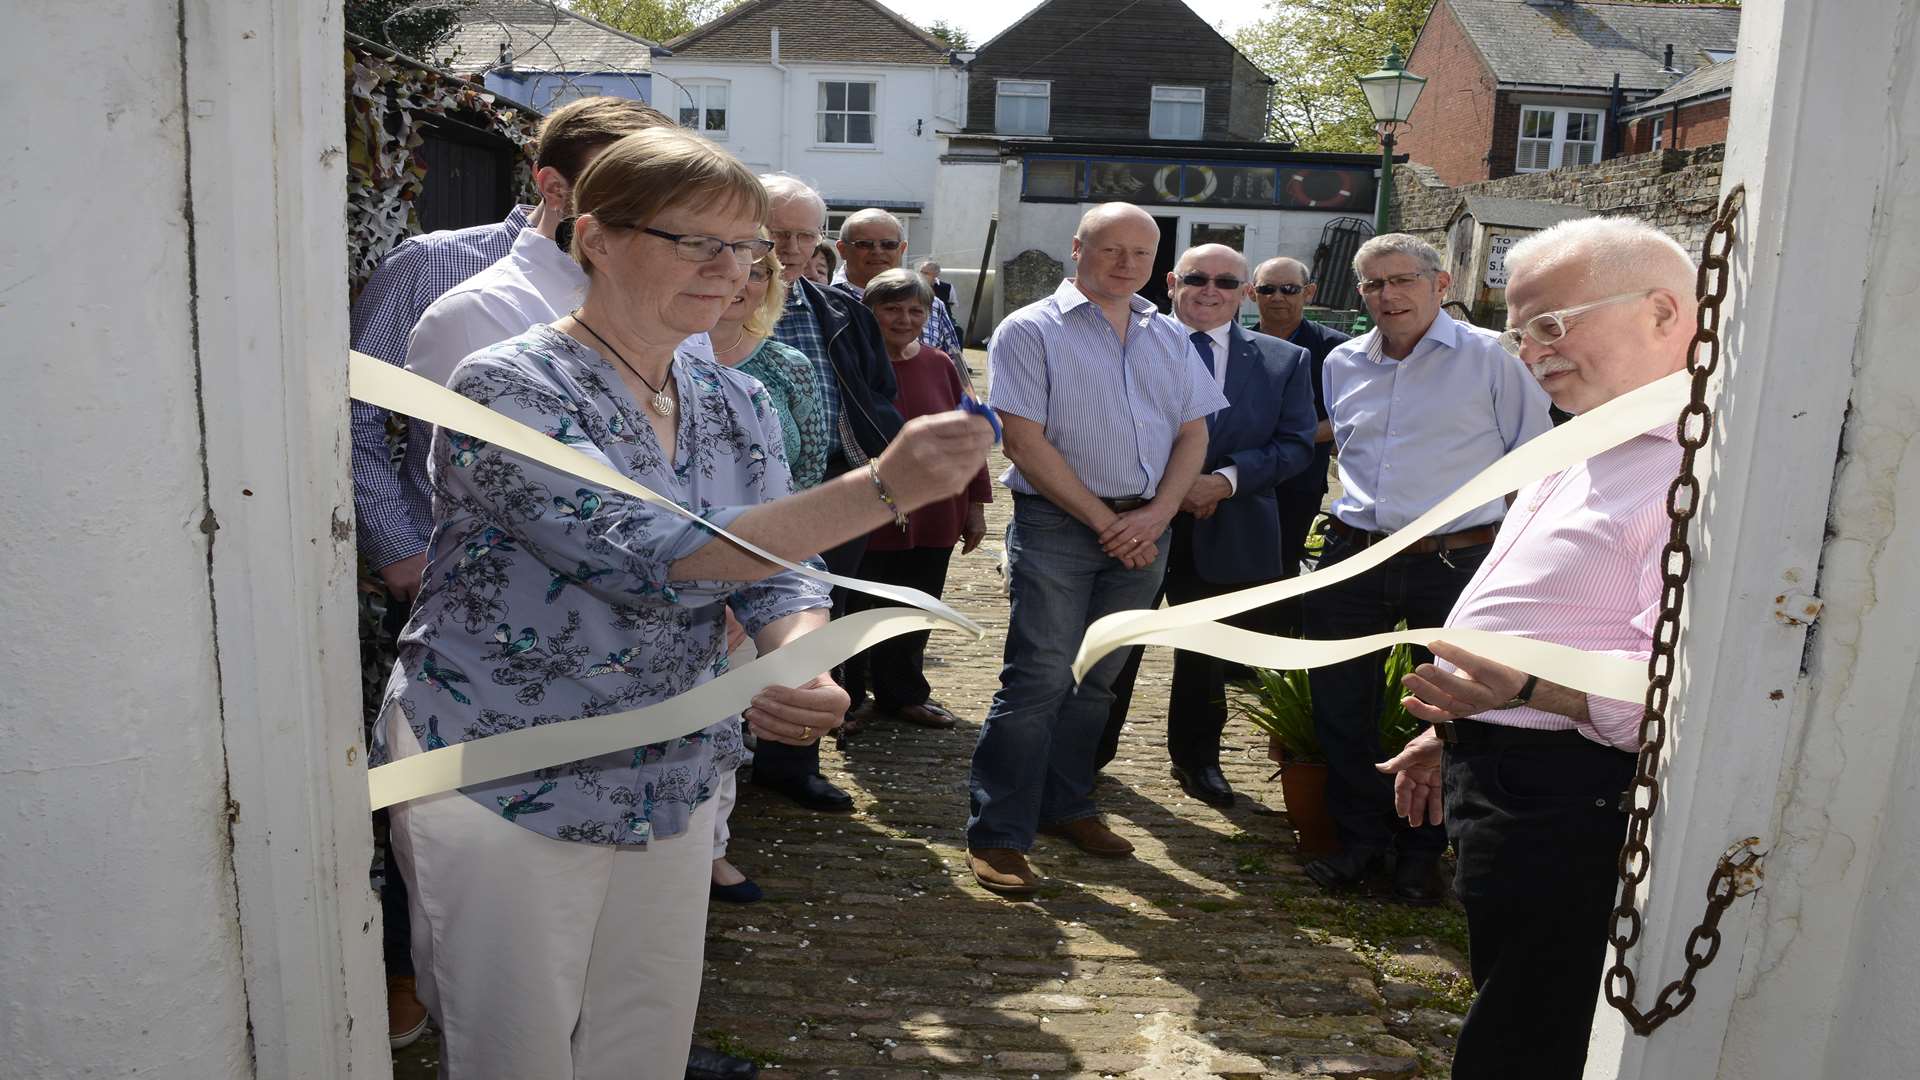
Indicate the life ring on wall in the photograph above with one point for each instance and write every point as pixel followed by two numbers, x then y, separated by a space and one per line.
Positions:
pixel 1167 173
pixel 1321 187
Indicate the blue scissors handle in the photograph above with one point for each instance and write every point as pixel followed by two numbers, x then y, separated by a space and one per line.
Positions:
pixel 978 408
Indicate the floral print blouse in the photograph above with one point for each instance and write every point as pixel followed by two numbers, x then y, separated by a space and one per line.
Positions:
pixel 546 598
pixel 790 379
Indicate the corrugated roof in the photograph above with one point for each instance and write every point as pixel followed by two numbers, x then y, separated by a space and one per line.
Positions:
pixel 843 31
pixel 1707 82
pixel 543 37
pixel 1585 44
pixel 1518 213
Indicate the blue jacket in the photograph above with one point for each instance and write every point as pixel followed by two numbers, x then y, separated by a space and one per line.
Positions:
pixel 1266 432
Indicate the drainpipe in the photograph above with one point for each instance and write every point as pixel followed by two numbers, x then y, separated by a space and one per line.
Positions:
pixel 786 100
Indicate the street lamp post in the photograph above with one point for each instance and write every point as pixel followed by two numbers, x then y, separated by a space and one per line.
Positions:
pixel 1391 92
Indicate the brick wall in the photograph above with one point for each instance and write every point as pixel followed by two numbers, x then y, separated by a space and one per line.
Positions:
pixel 1677 190
pixel 1454 122
pixel 1699 125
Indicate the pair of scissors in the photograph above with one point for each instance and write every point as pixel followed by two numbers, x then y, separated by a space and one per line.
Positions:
pixel 977 408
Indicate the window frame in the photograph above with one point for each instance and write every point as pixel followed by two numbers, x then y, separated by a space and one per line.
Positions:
pixel 821 112
pixel 1659 131
pixel 697 89
pixel 1046 108
pixel 1156 131
pixel 1557 142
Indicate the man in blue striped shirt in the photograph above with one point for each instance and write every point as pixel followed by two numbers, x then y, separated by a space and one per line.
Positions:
pixel 1104 401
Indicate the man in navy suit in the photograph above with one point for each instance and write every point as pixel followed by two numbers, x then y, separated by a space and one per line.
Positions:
pixel 1227 534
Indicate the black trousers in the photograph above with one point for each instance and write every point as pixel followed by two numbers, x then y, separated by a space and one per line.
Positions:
pixel 1347 696
pixel 783 761
pixel 1297 511
pixel 1536 823
pixel 894 669
pixel 1196 708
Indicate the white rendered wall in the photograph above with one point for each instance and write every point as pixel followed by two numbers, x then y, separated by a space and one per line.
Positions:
pixel 183 860
pixel 120 949
pixel 1803 738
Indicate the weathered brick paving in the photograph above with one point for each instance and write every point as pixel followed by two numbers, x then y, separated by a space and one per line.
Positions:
pixel 1209 954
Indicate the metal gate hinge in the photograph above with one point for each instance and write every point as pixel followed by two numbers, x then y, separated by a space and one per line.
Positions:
pixel 1797 609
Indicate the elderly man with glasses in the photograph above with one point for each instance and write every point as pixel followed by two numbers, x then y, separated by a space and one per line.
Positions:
pixel 1529 775
pixel 1420 404
pixel 872 242
pixel 1282 289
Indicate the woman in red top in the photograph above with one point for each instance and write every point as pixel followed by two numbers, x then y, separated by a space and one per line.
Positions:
pixel 915 555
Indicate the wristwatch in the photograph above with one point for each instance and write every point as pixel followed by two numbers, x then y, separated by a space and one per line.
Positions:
pixel 1525 695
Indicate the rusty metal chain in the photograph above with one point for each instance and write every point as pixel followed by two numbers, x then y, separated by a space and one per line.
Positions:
pixel 1735 874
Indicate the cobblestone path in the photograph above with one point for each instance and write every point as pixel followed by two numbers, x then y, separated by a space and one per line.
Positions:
pixel 1209 954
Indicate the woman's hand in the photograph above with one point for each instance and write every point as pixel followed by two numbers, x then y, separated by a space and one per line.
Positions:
pixel 798 716
pixel 935 457
pixel 974 529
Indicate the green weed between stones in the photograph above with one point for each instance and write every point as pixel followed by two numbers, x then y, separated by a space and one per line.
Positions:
pixel 1370 928
pixel 727 1044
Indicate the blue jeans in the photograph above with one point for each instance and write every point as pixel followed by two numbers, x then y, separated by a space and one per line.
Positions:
pixel 1034 762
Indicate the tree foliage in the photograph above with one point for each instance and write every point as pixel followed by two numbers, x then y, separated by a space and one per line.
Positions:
pixel 956 38
pixel 654 20
pixel 1315 48
pixel 415 28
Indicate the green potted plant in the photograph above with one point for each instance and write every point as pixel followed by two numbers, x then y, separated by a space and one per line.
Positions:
pixel 1280 703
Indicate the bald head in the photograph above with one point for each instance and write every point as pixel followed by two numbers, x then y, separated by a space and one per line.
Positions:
pixel 1113 251
pixel 1207 285
pixel 1211 254
pixel 1282 289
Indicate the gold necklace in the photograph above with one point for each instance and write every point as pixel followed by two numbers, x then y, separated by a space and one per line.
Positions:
pixel 662 401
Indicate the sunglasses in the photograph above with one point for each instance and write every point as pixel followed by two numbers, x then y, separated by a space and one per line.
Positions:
pixel 1199 280
pixel 1283 290
pixel 870 245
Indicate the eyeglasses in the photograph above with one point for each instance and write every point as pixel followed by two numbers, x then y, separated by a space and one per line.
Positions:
pixel 1198 280
pixel 869 245
pixel 758 274
pixel 701 249
pixel 1551 326
pixel 1283 290
pixel 1371 286
pixel 804 236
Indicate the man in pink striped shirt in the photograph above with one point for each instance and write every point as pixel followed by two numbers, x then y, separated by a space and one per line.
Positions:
pixel 1527 775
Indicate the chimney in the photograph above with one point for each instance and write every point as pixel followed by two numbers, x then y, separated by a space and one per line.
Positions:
pixel 1668 63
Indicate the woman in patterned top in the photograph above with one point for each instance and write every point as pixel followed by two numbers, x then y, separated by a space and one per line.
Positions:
pixel 741 343
pixel 558 916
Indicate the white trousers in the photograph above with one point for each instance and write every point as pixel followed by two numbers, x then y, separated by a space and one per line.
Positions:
pixel 542 958
pixel 725 794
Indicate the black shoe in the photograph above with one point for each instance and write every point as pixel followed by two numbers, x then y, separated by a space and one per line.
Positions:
pixel 1346 870
pixel 1206 783
pixel 740 892
pixel 811 791
pixel 1417 883
pixel 705 1064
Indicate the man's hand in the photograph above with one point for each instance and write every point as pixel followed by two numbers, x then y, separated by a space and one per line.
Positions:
pixel 1136 530
pixel 1480 685
pixel 1204 497
pixel 974 529
pixel 1416 779
pixel 798 716
pixel 402 578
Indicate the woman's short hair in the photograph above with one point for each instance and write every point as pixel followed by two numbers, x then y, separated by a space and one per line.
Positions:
pixel 773 304
pixel 574 132
pixel 892 286
pixel 651 172
pixel 825 248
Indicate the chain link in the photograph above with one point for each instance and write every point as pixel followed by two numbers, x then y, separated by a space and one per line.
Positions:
pixel 1735 873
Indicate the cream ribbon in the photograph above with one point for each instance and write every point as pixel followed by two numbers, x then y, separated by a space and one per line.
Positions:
pixel 478 761
pixel 1195 626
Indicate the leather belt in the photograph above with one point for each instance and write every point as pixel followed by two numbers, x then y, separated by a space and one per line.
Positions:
pixel 1121 506
pixel 1465 732
pixel 1426 545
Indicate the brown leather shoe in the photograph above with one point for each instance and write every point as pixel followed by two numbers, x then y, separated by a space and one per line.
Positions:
pixel 406 1017
pixel 1091 835
pixel 927 715
pixel 1002 870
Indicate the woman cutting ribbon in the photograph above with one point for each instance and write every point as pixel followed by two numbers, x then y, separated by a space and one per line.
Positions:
pixel 559 915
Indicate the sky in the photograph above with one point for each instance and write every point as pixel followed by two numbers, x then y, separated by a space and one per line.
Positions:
pixel 982 19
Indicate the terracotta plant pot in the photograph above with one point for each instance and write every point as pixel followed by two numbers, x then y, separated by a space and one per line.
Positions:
pixel 1303 786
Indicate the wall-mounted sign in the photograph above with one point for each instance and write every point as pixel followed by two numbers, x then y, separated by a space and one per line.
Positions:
pixel 1194 183
pixel 1497 245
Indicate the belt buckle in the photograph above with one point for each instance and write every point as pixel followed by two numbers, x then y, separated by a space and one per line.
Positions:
pixel 1448 733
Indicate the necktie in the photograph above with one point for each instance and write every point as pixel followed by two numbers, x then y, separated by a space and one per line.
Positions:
pixel 1204 342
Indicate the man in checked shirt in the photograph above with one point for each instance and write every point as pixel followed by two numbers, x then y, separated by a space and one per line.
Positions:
pixel 1527 775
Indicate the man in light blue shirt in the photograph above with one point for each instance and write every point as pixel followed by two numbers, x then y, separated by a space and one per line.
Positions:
pixel 1419 406
pixel 1104 401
